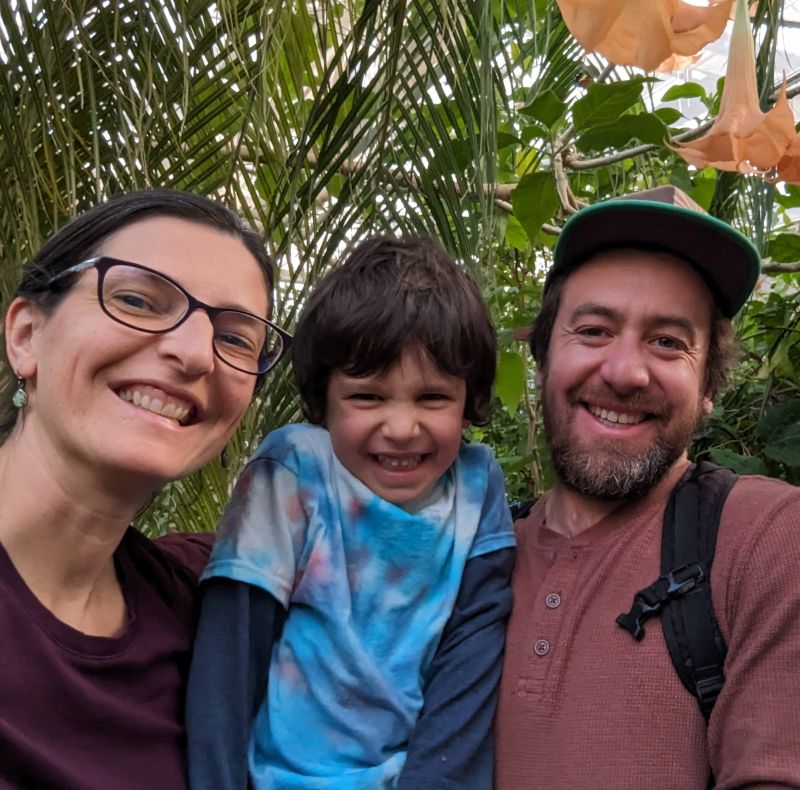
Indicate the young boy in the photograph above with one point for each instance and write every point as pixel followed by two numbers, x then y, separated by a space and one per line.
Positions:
pixel 355 603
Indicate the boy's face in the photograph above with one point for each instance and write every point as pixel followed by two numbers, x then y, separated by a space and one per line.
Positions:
pixel 399 432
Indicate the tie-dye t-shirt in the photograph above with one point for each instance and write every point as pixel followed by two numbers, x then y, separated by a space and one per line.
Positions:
pixel 369 588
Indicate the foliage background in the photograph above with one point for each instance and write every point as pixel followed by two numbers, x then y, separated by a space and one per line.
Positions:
pixel 479 121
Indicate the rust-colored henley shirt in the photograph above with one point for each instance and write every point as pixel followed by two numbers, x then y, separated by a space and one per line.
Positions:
pixel 583 705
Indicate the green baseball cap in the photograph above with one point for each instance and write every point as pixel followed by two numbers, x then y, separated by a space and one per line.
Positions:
pixel 667 220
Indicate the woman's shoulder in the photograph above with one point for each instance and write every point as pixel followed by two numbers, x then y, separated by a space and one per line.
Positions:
pixel 188 549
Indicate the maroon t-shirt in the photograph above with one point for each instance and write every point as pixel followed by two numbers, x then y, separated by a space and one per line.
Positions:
pixel 95 713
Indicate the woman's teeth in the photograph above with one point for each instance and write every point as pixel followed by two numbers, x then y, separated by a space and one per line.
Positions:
pixel 156 402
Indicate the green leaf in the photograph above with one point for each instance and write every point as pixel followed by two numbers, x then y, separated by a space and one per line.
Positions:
pixel 687 90
pixel 546 108
pixel 681 177
pixel 713 102
pixel 505 140
pixel 510 381
pixel 453 156
pixel 786 447
pixel 702 192
pixel 784 248
pixel 604 103
pixel 742 464
pixel 774 422
pixel 514 234
pixel 668 115
pixel 534 200
pixel 513 463
pixel 646 127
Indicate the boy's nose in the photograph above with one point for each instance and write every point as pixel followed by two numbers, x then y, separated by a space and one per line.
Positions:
pixel 400 424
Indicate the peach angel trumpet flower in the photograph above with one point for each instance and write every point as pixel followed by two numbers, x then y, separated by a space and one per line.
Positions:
pixel 677 63
pixel 789 165
pixel 742 138
pixel 644 33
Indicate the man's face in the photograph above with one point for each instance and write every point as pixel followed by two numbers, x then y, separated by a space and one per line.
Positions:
pixel 623 389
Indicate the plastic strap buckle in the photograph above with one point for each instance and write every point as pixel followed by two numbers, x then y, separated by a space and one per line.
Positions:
pixel 708 689
pixel 650 601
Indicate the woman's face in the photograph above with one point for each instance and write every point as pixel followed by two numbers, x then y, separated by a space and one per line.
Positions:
pixel 89 372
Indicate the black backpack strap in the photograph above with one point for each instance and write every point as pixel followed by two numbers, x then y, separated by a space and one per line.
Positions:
pixel 688 540
pixel 691 630
pixel 521 509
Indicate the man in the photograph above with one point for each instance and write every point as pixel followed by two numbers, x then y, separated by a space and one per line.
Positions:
pixel 633 342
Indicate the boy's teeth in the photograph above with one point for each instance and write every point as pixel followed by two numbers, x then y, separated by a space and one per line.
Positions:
pixel 399 463
pixel 612 416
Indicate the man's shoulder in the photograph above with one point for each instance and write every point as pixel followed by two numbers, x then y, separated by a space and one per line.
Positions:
pixel 759 505
pixel 757 496
pixel 765 486
pixel 527 516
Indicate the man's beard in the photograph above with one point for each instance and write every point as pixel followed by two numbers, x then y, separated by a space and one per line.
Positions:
pixel 612 471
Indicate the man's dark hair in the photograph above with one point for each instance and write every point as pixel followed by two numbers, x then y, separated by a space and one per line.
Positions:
pixel 82 237
pixel 723 350
pixel 391 296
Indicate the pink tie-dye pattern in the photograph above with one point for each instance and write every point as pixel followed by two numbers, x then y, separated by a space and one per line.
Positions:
pixel 295 506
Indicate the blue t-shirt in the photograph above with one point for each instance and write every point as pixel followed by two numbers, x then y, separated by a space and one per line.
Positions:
pixel 368 587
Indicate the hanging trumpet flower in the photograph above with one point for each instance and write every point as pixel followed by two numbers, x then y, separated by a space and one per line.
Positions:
pixel 644 33
pixel 789 165
pixel 742 138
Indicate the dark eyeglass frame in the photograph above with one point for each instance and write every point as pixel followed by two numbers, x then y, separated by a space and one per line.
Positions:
pixel 103 263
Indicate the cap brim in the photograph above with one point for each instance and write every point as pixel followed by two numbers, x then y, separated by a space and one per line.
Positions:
pixel 728 261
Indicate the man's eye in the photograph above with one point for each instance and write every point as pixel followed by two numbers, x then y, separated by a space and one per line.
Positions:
pixel 669 343
pixel 591 331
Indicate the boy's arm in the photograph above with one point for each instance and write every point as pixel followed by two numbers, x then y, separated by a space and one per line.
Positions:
pixel 451 745
pixel 228 680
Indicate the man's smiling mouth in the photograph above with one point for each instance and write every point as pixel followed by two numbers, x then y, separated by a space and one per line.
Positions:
pixel 617 417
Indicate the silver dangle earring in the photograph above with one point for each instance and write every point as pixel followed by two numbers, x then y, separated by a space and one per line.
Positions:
pixel 20 397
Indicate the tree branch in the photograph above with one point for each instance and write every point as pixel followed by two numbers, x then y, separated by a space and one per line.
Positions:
pixel 575 163
pixel 509 209
pixel 780 268
pixel 568 201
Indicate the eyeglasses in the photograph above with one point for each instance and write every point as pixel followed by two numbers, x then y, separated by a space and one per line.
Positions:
pixel 148 301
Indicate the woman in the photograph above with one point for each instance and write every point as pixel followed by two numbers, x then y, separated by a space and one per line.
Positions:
pixel 135 341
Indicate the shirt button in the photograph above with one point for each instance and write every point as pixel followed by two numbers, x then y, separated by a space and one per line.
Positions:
pixel 553 601
pixel 542 647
